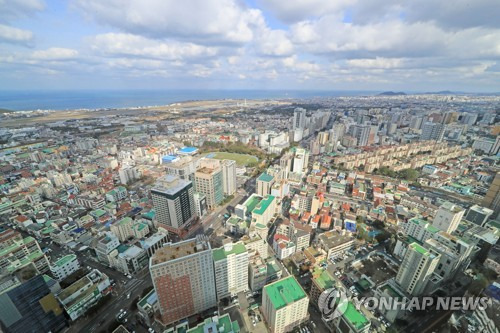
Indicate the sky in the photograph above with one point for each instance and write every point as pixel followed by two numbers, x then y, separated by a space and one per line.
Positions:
pixel 377 45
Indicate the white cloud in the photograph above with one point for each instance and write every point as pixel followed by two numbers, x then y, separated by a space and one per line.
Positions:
pixel 14 35
pixel 13 9
pixel 119 44
pixel 201 21
pixel 290 11
pixel 274 43
pixel 55 54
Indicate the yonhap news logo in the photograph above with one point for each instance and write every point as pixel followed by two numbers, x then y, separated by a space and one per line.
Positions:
pixel 332 303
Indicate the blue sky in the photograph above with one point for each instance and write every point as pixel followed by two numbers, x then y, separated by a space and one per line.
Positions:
pixel 413 45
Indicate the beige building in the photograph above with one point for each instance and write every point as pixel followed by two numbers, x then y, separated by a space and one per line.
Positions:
pixel 229 176
pixel 284 305
pixel 209 181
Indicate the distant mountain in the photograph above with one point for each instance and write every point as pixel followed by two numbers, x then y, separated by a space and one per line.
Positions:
pixel 4 110
pixel 392 93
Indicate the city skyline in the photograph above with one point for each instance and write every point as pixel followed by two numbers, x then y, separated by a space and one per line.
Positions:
pixel 253 44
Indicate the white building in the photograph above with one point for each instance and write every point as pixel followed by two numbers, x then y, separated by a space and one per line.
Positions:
pixel 128 174
pixel 448 216
pixel 229 176
pixel 65 266
pixel 231 269
pixel 416 269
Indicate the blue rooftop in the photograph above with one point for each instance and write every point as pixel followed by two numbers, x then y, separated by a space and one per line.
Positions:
pixel 169 158
pixel 188 150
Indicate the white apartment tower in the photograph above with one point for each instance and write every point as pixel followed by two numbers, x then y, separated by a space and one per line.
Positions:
pixel 231 269
pixel 229 176
pixel 448 217
pixel 416 269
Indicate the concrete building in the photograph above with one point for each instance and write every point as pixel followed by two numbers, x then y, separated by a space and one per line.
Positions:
pixel 116 194
pixel 334 243
pixel 416 269
pixel 84 293
pixel 229 176
pixel 154 242
pixel 492 197
pixel 284 305
pixel 21 254
pixel 184 279
pixel 122 228
pixel 264 184
pixel 264 211
pixel 222 324
pixel 128 259
pixel 432 131
pixel 65 266
pixel 231 269
pixel 361 133
pixel 174 203
pixel 448 217
pixel 128 174
pixel 478 215
pixel 209 181
pixel 184 168
pixel 351 321
pixel 105 245
pixel 200 204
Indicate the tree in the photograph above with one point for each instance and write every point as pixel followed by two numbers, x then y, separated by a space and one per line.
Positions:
pixel 409 174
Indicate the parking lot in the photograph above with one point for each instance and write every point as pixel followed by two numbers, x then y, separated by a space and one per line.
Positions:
pixel 377 269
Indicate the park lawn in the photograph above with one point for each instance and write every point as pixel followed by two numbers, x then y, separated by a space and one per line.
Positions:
pixel 241 159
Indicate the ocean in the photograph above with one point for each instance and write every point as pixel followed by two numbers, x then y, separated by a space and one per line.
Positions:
pixel 96 99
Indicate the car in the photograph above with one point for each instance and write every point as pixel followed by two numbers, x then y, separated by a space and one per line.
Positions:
pixel 129 276
pixel 150 330
pixel 128 296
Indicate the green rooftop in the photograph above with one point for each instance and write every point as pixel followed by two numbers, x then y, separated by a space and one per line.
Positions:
pixel 221 253
pixel 263 205
pixel 284 292
pixel 354 317
pixel 252 202
pixel 224 324
pixel 264 177
pixel 64 260
pixel 323 278
pixel 420 249
pixel 127 219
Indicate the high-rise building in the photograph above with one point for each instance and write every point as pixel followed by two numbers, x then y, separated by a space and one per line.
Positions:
pixel 478 215
pixel 492 197
pixel 300 160
pixel 448 216
pixel 284 305
pixel 173 202
pixel 184 280
pixel 229 176
pixel 415 122
pixel 29 307
pixel 362 134
pixel 432 131
pixel 128 174
pixel 231 269
pixel 209 181
pixel 416 269
pixel 264 184
pixel 184 168
pixel 299 118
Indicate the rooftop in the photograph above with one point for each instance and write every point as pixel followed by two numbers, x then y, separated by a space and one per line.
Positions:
pixel 420 249
pixel 225 251
pixel 263 205
pixel 264 177
pixel 252 202
pixel 284 292
pixel 178 250
pixel 170 184
pixel 221 324
pixel 64 260
pixel 354 317
pixel 323 278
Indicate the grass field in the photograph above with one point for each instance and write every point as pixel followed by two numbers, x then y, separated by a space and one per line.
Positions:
pixel 241 159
